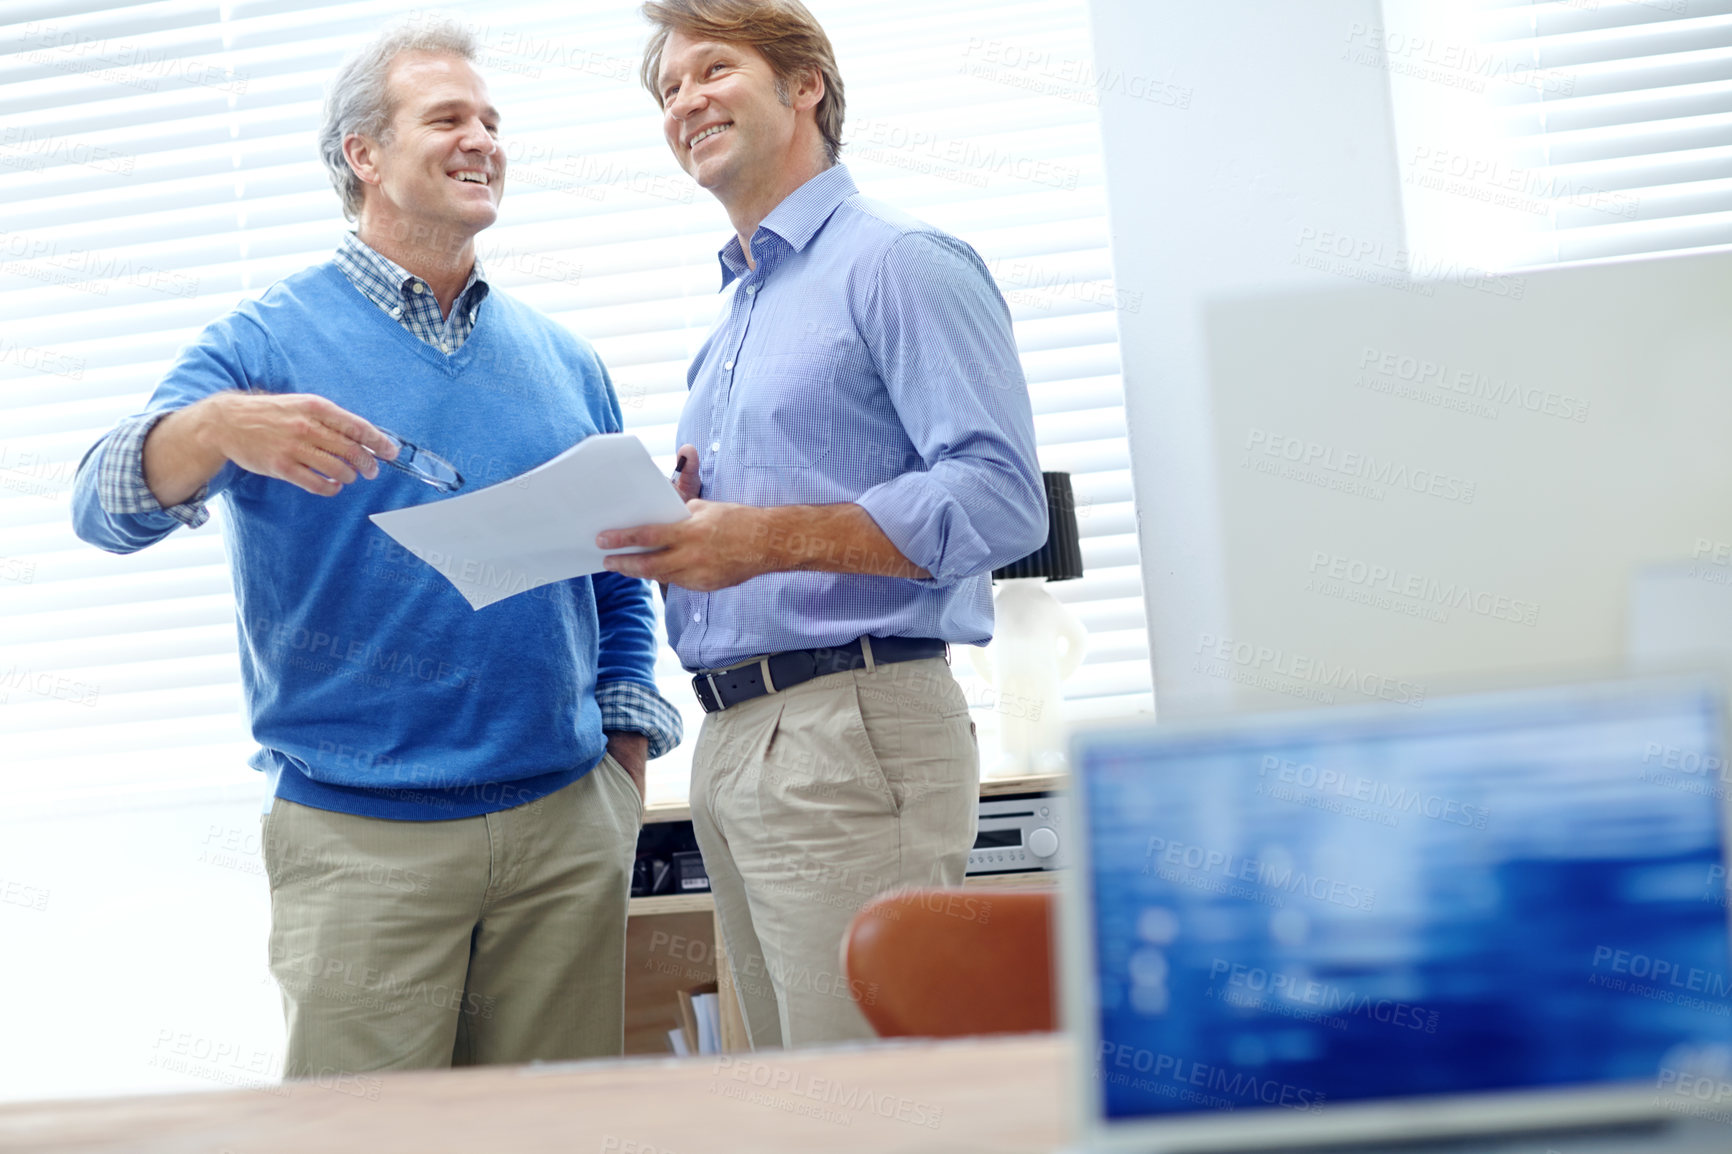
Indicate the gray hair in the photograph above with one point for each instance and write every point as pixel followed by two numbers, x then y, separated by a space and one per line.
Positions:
pixel 359 102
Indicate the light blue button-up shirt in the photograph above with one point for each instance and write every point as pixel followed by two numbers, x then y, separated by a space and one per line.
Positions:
pixel 867 358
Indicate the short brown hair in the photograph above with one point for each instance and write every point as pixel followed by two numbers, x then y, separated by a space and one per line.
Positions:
pixel 783 30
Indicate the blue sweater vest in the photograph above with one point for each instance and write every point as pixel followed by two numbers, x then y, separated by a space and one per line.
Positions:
pixel 372 687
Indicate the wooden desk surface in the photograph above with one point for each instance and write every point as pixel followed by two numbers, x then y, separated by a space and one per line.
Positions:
pixel 989 1094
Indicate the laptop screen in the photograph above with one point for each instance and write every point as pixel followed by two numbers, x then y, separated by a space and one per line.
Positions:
pixel 1509 891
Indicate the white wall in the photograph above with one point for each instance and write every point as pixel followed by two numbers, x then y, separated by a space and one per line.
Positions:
pixel 1490 463
pixel 135 950
pixel 1282 134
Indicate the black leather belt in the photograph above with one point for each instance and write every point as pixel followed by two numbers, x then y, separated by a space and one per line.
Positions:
pixel 716 691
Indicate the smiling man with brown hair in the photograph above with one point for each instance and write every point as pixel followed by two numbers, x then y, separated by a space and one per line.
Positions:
pixel 859 455
pixel 455 794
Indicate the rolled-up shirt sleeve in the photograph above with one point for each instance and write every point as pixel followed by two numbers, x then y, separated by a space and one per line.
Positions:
pixel 112 505
pixel 942 339
pixel 633 707
pixel 120 483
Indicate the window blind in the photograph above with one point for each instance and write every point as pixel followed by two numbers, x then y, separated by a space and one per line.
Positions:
pixel 158 164
pixel 1579 129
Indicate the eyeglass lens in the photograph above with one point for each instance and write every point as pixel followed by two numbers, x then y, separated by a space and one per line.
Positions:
pixel 428 467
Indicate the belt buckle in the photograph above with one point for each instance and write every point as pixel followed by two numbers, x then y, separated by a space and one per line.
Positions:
pixel 710 702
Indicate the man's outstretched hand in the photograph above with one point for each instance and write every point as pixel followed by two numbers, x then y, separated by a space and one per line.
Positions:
pixel 301 438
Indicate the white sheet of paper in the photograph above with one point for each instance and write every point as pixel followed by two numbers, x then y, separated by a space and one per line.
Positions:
pixel 540 526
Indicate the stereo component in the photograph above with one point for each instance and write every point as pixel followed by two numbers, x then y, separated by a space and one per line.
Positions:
pixel 1018 833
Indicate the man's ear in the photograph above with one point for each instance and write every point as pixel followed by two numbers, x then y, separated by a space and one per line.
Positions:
pixel 362 153
pixel 808 89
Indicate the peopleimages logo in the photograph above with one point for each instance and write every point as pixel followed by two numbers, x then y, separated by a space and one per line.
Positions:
pixel 53 685
pixel 800 1084
pixel 1455 64
pixel 1378 793
pixel 961 154
pixel 302 645
pixel 1451 595
pixel 1690 1087
pixel 1283 877
pixel 1317 670
pixel 1394 266
pixel 1324 997
pixel 1471 384
pixel 1685 770
pixel 1120 1056
pixel 1355 466
pixel 1494 181
pixel 1669 977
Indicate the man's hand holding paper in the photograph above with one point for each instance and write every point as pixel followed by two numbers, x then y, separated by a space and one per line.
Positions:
pixel 722 544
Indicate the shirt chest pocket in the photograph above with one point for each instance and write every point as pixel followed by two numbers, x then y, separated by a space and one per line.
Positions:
pixel 781 409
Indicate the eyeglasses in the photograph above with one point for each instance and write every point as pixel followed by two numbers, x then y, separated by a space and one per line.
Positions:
pixel 428 468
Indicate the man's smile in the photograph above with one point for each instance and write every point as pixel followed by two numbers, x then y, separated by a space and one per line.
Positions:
pixel 707 132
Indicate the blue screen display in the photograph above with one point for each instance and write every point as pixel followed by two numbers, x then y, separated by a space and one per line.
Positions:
pixel 1510 891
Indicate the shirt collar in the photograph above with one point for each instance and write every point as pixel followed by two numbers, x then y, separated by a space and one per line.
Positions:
pixel 388 270
pixel 797 219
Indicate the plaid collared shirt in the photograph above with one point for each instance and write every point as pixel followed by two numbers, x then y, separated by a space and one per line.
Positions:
pixel 408 299
pixel 626 706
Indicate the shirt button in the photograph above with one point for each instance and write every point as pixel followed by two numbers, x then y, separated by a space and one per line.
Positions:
pixel 697 616
pixel 750 289
pixel 417 288
pixel 715 446
pixel 728 365
pixel 445 347
pixel 397 312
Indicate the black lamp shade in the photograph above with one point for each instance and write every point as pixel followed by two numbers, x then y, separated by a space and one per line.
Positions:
pixel 1060 559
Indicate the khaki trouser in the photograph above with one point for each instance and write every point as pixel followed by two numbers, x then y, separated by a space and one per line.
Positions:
pixel 809 801
pixel 408 944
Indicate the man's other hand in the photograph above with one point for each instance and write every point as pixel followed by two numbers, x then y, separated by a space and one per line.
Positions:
pixel 631 750
pixel 686 481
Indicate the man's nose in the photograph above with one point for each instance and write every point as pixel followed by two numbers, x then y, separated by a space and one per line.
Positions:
pixel 685 102
pixel 476 138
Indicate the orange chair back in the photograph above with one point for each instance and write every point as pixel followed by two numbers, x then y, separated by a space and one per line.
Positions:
pixel 944 963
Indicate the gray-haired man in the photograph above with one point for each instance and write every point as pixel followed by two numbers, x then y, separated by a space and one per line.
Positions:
pixel 455 794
